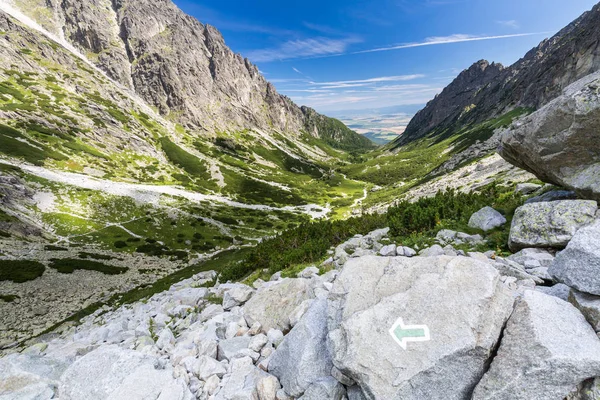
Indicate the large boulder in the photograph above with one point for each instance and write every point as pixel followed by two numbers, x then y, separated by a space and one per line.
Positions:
pixel 578 265
pixel 486 219
pixel 303 358
pixel 24 377
pixel 549 224
pixel 114 373
pixel 548 348
pixel 559 142
pixel 459 301
pixel 589 306
pixel 271 306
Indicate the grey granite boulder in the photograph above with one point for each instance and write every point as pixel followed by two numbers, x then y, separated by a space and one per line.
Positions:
pixel 578 265
pixel 459 303
pixel 559 142
pixel 303 358
pixel 589 305
pixel 272 306
pixel 548 348
pixel 486 219
pixel 114 373
pixel 549 224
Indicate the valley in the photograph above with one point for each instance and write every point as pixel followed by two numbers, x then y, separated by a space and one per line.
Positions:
pixel 163 207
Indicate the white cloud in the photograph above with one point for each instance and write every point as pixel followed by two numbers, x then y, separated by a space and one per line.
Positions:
pixel 318 46
pixel 438 40
pixel 396 78
pixel 514 24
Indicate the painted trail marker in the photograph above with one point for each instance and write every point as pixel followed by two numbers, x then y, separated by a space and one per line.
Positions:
pixel 403 334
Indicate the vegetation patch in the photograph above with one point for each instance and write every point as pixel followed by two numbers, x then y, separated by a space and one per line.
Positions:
pixel 8 298
pixel 20 271
pixel 69 265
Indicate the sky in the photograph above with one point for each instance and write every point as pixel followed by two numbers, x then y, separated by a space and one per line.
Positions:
pixel 336 55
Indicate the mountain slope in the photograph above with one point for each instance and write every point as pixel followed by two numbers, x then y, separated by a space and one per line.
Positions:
pixel 486 91
pixel 178 65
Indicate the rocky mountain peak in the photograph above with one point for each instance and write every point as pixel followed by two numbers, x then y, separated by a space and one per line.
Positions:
pixel 485 91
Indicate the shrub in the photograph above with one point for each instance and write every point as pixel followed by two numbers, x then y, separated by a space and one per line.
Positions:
pixel 69 265
pixel 20 271
pixel 307 243
pixel 119 244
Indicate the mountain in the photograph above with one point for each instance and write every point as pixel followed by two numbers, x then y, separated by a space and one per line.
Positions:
pixel 176 64
pixel 487 90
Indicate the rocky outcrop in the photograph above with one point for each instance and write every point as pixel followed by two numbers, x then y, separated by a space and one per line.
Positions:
pixel 485 91
pixel 578 265
pixel 558 143
pixel 372 294
pixel 550 224
pixel 547 349
pixel 184 68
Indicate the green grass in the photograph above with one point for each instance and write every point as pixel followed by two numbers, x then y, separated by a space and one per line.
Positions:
pixel 69 265
pixel 190 163
pixel 20 271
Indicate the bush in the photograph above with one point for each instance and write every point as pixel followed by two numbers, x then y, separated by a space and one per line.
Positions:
pixel 69 265
pixel 307 243
pixel 119 244
pixel 20 271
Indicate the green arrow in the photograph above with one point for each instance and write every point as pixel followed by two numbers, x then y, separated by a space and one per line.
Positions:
pixel 403 334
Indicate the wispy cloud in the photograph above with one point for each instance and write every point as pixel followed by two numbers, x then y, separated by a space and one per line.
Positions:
pixel 512 23
pixel 388 90
pixel 439 40
pixel 396 78
pixel 318 46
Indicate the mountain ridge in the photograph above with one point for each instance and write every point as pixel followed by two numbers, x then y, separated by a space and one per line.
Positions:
pixel 176 64
pixel 531 82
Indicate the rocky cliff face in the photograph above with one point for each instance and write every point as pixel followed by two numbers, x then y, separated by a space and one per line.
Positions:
pixel 176 64
pixel 485 91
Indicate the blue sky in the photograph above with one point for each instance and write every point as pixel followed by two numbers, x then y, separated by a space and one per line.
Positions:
pixel 356 54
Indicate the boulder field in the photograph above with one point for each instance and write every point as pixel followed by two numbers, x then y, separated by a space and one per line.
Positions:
pixel 375 321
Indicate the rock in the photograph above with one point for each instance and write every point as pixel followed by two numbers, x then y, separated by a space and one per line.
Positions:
pixel 433 251
pixel 271 307
pixel 341 378
pixel 242 382
pixel 114 373
pixel 527 188
pixel 324 389
pixel 267 388
pixel 228 348
pixel 189 296
pixel 355 393
pixel 547 349
pixel 408 252
pixel 486 219
pixel 204 367
pixel 533 258
pixel 258 342
pixel 388 251
pixel 588 305
pixel 549 224
pixel 275 337
pixel 237 296
pixel 303 358
pixel 24 377
pixel 553 195
pixel 165 339
pixel 509 268
pixel 300 310
pixel 372 293
pixel 578 265
pixel 308 272
pixel 559 290
pixel 558 142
